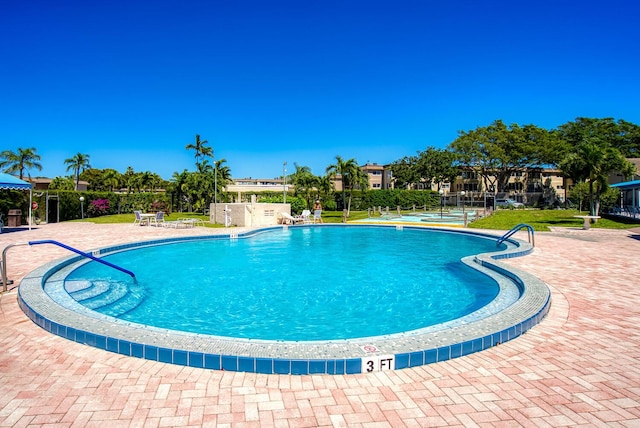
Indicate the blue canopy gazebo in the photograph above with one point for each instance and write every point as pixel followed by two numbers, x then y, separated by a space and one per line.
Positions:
pixel 630 195
pixel 9 182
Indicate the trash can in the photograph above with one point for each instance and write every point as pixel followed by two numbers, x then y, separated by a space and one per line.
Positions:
pixel 14 218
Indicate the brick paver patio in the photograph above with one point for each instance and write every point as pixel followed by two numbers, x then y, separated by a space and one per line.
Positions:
pixel 579 367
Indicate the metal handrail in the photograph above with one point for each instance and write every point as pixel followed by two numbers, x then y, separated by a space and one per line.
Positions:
pixel 83 254
pixel 5 280
pixel 3 268
pixel 515 229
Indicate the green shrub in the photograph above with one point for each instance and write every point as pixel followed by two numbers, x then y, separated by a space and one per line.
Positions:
pixel 297 204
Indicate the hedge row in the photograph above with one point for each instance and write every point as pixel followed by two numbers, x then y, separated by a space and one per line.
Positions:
pixel 96 204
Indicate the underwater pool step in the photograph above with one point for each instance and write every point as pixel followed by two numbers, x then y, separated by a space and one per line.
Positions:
pixel 85 290
pixel 111 298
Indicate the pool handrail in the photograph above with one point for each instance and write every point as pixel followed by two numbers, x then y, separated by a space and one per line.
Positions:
pixel 515 229
pixel 83 254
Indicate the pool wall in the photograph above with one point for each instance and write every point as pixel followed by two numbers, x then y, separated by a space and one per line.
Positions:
pixel 449 340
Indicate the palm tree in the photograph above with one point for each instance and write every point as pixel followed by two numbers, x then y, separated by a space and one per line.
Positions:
pixel 325 186
pixel 223 173
pixel 204 167
pixel 146 180
pixel 305 183
pixel 111 179
pixel 21 161
pixel 77 164
pixel 129 177
pixel 179 184
pixel 201 149
pixel 222 177
pixel 347 170
pixel 592 161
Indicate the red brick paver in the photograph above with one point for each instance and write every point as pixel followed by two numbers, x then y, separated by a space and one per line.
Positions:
pixel 579 367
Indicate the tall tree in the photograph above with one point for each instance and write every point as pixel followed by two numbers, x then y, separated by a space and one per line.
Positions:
pixel 591 156
pixel 622 135
pixel 497 151
pixel 437 166
pixel 223 177
pixel 628 140
pixel 78 163
pixel 111 179
pixel 325 187
pixel 129 178
pixel 20 161
pixel 179 187
pixel 305 183
pixel 405 172
pixel 201 150
pixel 93 177
pixel 346 169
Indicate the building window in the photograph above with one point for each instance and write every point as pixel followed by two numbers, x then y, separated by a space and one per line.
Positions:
pixel 470 187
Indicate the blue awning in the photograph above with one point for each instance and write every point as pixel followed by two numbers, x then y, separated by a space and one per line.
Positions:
pixel 8 181
pixel 626 185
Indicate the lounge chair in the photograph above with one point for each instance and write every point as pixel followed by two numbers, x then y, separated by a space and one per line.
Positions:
pixel 289 219
pixel 306 216
pixel 191 222
pixel 173 223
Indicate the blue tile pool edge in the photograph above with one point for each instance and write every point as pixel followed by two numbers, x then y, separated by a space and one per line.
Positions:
pixel 305 366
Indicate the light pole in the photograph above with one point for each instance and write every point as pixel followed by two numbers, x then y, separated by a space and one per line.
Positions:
pixel 82 207
pixel 462 194
pixel 284 181
pixel 215 190
pixel 441 192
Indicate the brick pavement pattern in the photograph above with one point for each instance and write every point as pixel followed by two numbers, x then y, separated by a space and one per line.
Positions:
pixel 579 367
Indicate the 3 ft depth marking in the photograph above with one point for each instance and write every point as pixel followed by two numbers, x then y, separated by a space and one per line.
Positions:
pixel 378 363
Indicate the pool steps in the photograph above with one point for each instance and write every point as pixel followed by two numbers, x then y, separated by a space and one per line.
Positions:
pixel 111 298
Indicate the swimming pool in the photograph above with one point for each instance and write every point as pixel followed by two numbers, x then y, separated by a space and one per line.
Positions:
pixel 298 284
pixel 450 218
pixel 43 298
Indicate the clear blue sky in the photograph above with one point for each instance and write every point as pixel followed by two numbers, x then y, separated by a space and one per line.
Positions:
pixel 130 83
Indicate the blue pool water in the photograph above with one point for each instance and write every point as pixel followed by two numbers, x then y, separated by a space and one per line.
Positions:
pixel 296 284
pixel 450 219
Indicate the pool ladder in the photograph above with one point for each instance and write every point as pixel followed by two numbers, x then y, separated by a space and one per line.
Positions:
pixel 515 229
pixel 6 281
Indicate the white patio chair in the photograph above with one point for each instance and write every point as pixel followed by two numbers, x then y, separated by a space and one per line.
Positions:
pixel 138 220
pixel 158 220
pixel 306 216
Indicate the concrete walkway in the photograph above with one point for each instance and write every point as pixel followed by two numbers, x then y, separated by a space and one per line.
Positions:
pixel 579 367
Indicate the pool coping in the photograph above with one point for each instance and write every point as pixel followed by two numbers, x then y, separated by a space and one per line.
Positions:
pixel 349 356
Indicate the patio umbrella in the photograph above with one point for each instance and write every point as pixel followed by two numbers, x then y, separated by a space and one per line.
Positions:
pixel 8 181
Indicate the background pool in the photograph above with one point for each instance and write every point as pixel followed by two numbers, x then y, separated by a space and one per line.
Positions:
pixel 303 283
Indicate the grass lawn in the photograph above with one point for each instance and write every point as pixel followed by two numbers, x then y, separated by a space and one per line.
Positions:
pixel 541 220
pixel 128 218
pixel 502 219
